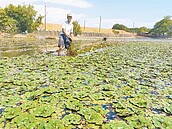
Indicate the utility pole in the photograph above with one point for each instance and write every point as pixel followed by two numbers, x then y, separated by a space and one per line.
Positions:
pixel 100 24
pixel 133 27
pixel 45 22
pixel 84 25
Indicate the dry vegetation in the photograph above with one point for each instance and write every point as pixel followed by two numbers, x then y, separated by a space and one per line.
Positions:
pixel 87 29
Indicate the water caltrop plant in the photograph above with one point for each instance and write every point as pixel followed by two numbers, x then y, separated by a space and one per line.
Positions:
pixel 126 85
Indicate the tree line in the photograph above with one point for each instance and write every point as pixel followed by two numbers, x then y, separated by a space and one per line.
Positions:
pixel 161 28
pixel 19 18
pixel 24 18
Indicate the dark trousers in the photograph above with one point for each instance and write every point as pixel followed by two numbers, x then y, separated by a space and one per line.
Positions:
pixel 64 41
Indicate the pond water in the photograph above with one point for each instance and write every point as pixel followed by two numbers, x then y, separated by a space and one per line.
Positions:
pixel 17 47
pixel 10 47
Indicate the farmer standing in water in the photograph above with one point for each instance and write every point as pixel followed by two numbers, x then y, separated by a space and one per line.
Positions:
pixel 66 35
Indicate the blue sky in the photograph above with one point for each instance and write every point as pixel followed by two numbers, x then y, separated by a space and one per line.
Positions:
pixel 141 13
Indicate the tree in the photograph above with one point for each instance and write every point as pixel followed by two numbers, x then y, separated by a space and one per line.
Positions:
pixel 163 27
pixel 7 24
pixel 115 32
pixel 143 30
pixel 77 28
pixel 139 30
pixel 24 16
pixel 120 27
pixel 131 30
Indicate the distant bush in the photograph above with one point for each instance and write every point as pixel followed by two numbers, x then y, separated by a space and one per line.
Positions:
pixel 115 32
pixel 77 28
pixel 120 27
pixel 131 30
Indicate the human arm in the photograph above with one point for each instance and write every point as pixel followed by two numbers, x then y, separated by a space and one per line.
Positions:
pixel 71 33
pixel 68 36
pixel 64 32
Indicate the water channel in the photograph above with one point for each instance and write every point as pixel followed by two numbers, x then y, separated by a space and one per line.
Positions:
pixel 10 47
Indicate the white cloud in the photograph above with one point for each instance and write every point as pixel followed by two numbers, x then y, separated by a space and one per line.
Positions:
pixel 4 3
pixel 54 15
pixel 58 15
pixel 74 3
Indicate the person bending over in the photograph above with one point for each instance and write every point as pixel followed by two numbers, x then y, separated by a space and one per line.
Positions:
pixel 66 35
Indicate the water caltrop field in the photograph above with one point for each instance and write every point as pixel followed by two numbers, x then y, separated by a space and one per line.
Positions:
pixel 124 86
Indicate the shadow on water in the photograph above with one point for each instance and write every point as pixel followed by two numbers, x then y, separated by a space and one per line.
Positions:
pixel 111 115
pixel 156 111
pixel 1 110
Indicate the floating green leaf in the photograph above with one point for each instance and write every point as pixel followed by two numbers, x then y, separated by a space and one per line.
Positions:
pixel 44 110
pixel 74 104
pixel 72 119
pixel 11 112
pixel 132 80
pixel 92 116
pixel 117 125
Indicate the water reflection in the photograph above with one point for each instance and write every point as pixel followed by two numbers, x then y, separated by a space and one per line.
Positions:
pixel 17 47
pixel 19 53
pixel 12 47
